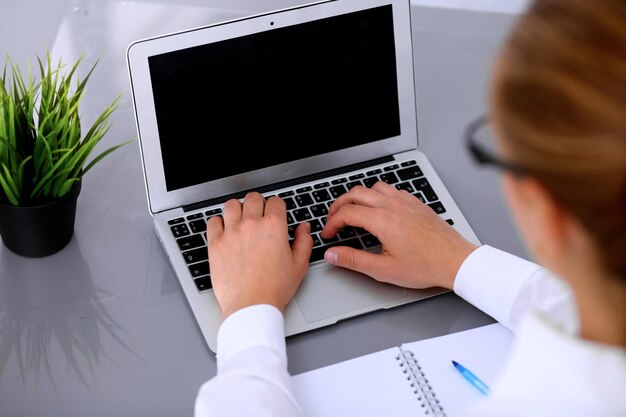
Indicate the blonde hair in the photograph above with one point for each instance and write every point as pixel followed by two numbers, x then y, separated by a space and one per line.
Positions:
pixel 559 101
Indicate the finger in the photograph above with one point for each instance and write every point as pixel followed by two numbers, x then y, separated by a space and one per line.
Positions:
pixel 302 245
pixel 350 215
pixel 391 191
pixel 357 195
pixel 275 206
pixel 385 189
pixel 214 228
pixel 253 205
pixel 232 212
pixel 407 195
pixel 357 260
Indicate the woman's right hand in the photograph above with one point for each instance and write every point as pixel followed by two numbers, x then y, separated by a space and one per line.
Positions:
pixel 419 248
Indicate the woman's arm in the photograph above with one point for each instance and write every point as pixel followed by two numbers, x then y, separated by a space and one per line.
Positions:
pixel 508 287
pixel 252 377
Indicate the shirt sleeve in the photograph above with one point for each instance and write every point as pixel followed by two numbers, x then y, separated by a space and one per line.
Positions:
pixel 508 288
pixel 252 377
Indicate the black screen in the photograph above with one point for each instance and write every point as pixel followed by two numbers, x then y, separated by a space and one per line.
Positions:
pixel 275 96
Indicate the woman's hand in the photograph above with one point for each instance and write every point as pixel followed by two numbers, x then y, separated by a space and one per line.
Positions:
pixel 250 257
pixel 419 248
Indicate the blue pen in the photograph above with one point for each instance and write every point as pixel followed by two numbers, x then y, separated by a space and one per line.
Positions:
pixel 473 379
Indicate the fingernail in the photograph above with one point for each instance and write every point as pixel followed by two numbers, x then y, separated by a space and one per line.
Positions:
pixel 330 256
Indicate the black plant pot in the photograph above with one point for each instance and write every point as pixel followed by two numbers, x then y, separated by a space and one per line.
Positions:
pixel 39 231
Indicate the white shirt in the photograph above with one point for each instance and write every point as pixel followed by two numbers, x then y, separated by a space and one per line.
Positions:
pixel 550 371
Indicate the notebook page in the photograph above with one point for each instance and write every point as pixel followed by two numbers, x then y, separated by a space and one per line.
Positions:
pixel 483 350
pixel 367 386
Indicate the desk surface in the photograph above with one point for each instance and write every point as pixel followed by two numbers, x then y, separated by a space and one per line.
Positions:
pixel 102 328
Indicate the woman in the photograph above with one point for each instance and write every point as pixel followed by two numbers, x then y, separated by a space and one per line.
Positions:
pixel 558 110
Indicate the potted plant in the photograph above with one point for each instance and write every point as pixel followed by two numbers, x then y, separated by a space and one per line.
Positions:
pixel 44 154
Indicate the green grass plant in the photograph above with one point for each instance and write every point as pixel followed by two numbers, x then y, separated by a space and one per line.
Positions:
pixel 42 151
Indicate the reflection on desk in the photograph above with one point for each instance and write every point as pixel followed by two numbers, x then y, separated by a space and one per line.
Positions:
pixel 52 316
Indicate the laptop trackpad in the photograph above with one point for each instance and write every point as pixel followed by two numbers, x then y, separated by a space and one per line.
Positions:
pixel 330 291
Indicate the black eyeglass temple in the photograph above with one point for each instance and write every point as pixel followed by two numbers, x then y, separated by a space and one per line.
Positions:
pixel 480 154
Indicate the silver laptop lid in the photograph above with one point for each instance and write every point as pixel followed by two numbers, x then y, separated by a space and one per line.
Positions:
pixel 292 92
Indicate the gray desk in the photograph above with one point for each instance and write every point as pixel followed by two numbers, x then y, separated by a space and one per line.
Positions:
pixel 102 328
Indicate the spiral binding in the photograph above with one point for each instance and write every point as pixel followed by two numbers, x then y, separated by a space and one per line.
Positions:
pixel 419 384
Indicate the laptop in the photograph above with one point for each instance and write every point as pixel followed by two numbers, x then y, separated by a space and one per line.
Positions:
pixel 303 103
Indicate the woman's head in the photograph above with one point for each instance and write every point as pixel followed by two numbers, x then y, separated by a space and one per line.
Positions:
pixel 559 107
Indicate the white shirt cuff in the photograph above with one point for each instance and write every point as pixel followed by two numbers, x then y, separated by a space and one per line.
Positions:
pixel 491 279
pixel 259 325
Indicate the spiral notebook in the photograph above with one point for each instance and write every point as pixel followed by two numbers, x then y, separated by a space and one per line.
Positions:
pixel 413 379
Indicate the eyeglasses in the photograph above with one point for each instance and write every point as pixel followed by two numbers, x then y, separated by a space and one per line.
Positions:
pixel 481 145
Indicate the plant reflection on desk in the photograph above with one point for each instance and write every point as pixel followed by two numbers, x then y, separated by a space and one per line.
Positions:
pixel 51 313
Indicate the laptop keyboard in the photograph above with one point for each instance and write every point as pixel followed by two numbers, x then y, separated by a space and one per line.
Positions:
pixel 310 203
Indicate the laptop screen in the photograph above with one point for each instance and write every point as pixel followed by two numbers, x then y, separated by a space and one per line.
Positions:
pixel 275 96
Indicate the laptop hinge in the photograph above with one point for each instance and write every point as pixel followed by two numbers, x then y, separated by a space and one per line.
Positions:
pixel 288 183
